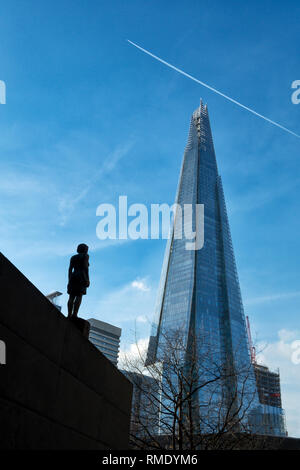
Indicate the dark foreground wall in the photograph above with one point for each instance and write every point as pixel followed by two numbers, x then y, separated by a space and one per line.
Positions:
pixel 57 391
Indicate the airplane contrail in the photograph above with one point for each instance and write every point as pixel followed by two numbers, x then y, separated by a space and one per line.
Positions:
pixel 212 89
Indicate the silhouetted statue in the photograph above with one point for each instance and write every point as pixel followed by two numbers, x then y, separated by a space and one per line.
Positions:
pixel 78 279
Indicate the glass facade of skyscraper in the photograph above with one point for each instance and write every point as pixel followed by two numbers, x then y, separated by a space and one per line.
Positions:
pixel 199 293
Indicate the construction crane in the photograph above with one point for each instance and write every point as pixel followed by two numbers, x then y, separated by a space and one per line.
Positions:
pixel 251 347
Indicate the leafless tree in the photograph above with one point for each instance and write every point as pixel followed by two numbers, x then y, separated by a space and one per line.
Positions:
pixel 192 398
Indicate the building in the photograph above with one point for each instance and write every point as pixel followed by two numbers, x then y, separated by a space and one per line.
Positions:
pixel 199 293
pixel 106 338
pixel 269 393
pixel 145 405
pixel 268 386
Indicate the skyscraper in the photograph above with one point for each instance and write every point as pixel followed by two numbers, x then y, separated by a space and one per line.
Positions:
pixel 199 292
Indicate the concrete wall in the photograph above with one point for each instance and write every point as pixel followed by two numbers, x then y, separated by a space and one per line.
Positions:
pixel 57 391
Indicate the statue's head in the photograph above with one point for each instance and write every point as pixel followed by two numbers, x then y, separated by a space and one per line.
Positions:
pixel 82 248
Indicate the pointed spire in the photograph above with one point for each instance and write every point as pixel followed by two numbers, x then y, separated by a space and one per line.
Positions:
pixel 201 105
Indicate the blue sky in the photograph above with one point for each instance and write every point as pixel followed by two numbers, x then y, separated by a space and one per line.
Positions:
pixel 89 117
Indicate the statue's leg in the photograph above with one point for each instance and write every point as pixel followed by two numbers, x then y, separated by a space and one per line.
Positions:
pixel 77 303
pixel 70 305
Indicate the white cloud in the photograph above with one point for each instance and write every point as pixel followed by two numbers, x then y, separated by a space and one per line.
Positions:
pixel 140 284
pixel 279 355
pixel 141 319
pixel 135 353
